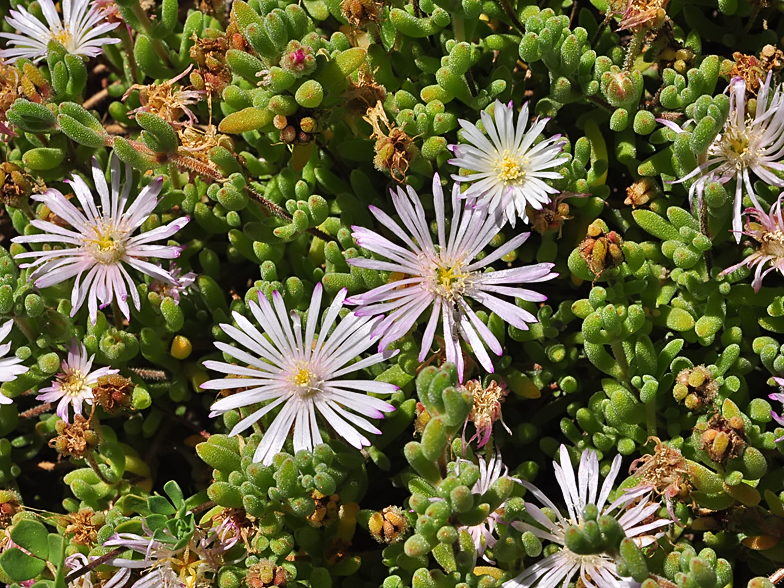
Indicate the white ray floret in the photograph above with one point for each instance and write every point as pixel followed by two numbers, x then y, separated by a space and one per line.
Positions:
pixel 74 385
pixel 100 244
pixel 509 169
pixel 302 373
pixel 445 276
pixel 595 570
pixel 79 30
pixel 10 367
pixel 746 145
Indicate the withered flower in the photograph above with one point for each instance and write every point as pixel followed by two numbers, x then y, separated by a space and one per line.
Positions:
pixel 394 149
pixel 167 102
pixel 600 250
pixel 695 387
pixel 76 440
pixel 486 409
pixel 113 393
pixel 721 438
pixel 388 525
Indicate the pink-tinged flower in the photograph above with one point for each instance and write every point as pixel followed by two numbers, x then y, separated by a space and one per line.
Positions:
pixel 181 283
pixel 302 372
pixel 486 409
pixel 9 366
pixel 101 243
pixel 768 230
pixel 745 145
pixel 509 170
pixel 79 30
pixel 596 570
pixel 164 565
pixel 443 277
pixel 74 385
pixel 778 397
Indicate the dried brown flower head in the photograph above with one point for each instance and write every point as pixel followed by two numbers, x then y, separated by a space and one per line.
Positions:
pixel 754 70
pixel 210 55
pixel 84 526
pixel 166 101
pixel 362 95
pixel 721 438
pixel 326 511
pixel 601 251
pixel 75 440
pixel 113 393
pixel 359 13
pixel 695 388
pixel 552 215
pixel 394 149
pixel 643 15
pixel 197 142
pixel 666 471
pixel 641 192
pixel 486 409
pixel 389 525
pixel 15 185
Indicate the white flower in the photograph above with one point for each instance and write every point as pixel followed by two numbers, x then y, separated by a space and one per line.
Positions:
pixel 75 383
pixel 181 284
pixel 193 565
pixel 445 276
pixel 97 251
pixel 745 145
pixel 510 169
pixel 9 366
pixel 302 372
pixel 83 22
pixel 596 570
pixel 483 534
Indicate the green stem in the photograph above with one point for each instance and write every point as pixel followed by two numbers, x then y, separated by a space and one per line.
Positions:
pixel 620 358
pixel 130 60
pixel 139 13
pixel 650 418
pixel 633 50
pixel 507 6
pixel 90 459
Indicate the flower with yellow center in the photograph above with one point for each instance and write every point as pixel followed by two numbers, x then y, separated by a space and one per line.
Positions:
pixel 101 245
pixel 74 385
pixel 444 276
pixel 635 512
pixel 79 31
pixel 768 230
pixel 746 144
pixel 164 565
pixel 506 169
pixel 301 373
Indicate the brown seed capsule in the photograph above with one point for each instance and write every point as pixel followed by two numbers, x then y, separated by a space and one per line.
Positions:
pixel 265 573
pixel 641 191
pixel 601 251
pixel 389 525
pixel 113 393
pixel 722 439
pixel 695 388
pixel 75 440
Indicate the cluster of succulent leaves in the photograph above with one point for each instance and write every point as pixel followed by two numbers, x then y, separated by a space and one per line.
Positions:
pixel 288 166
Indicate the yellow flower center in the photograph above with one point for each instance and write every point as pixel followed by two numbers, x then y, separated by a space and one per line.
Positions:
pixel 306 381
pixel 449 282
pixel 64 37
pixel 773 243
pixel 73 384
pixel 508 168
pixel 107 245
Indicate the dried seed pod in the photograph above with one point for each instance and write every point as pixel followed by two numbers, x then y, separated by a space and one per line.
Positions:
pixel 389 525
